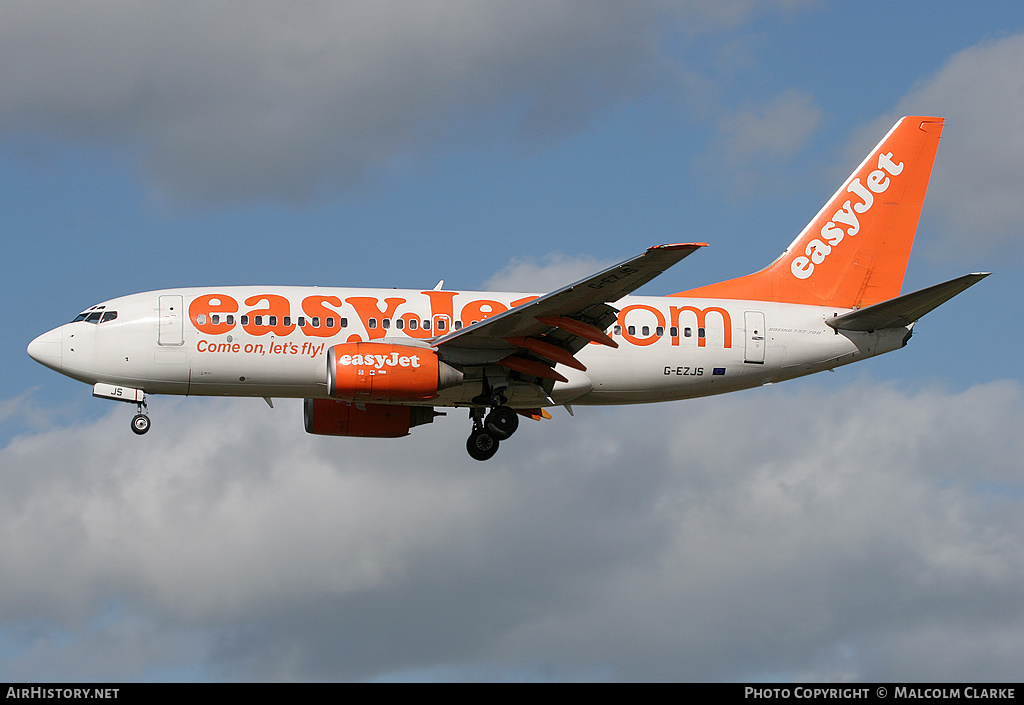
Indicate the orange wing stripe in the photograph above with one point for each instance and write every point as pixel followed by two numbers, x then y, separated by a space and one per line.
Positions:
pixel 530 367
pixel 551 352
pixel 583 330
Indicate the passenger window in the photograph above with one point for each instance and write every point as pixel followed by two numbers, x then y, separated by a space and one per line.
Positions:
pixel 631 330
pixel 316 321
pixel 344 323
pixel 687 332
pixel 214 319
pixel 701 333
pixel 231 319
pixel 617 330
pixel 413 324
pixel 659 331
pixel 399 323
pixel 386 323
pixel 257 320
pixel 201 319
pixel 330 322
pixel 372 323
pixel 440 324
pixel 645 331
pixel 458 325
pixel 287 320
pixel 426 324
pixel 302 321
pixel 273 321
pixel 673 331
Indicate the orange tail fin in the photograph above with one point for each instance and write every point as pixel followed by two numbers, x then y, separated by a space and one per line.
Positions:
pixel 854 252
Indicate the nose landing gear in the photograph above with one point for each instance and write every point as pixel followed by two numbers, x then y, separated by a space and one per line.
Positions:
pixel 140 422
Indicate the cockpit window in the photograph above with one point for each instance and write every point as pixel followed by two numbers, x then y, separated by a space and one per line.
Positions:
pixel 95 316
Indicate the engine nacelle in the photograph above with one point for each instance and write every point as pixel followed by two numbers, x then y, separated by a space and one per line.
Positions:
pixel 328 417
pixel 387 372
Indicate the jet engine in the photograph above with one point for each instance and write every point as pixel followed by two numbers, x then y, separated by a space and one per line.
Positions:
pixel 387 372
pixel 329 417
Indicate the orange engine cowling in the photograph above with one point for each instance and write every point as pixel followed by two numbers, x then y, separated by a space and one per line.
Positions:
pixel 329 417
pixel 387 372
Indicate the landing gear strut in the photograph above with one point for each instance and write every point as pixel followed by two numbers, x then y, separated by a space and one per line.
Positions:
pixel 499 424
pixel 140 422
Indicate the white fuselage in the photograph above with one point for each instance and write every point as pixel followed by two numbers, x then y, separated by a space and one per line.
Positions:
pixel 273 342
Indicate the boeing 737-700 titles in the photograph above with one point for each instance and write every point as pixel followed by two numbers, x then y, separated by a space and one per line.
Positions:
pixel 377 362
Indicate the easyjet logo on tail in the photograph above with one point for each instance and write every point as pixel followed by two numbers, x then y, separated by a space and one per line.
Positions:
pixel 845 222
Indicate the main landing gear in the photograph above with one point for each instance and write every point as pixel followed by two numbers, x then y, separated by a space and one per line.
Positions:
pixel 488 431
pixel 140 422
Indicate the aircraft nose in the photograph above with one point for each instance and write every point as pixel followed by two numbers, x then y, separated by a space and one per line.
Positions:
pixel 46 349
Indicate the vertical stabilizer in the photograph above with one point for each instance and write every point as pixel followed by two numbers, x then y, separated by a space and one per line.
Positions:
pixel 854 252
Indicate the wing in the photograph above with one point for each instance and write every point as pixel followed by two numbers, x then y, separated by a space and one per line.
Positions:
pixel 533 336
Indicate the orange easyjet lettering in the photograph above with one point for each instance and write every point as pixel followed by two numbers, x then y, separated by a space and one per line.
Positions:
pixel 209 313
pixel 270 319
pixel 371 315
pixel 635 340
pixel 215 314
pixel 314 307
pixel 702 316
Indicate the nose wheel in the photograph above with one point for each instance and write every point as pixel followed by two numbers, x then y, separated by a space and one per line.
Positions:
pixel 140 422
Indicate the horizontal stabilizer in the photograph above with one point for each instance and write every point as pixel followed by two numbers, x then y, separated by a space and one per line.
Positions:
pixel 904 310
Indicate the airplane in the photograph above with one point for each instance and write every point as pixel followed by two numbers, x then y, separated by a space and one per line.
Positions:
pixel 378 362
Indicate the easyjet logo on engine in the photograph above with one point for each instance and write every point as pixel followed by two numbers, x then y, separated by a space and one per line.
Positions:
pixel 380 361
pixel 833 232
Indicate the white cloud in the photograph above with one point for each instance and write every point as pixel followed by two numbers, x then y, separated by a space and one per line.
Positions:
pixel 550 272
pixel 975 189
pixel 234 100
pixel 791 530
pixel 777 128
pixel 750 143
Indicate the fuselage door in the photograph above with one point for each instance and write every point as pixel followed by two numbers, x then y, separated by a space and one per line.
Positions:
pixel 753 322
pixel 171 321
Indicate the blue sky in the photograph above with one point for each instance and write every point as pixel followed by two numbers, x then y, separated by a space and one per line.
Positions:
pixel 147 145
